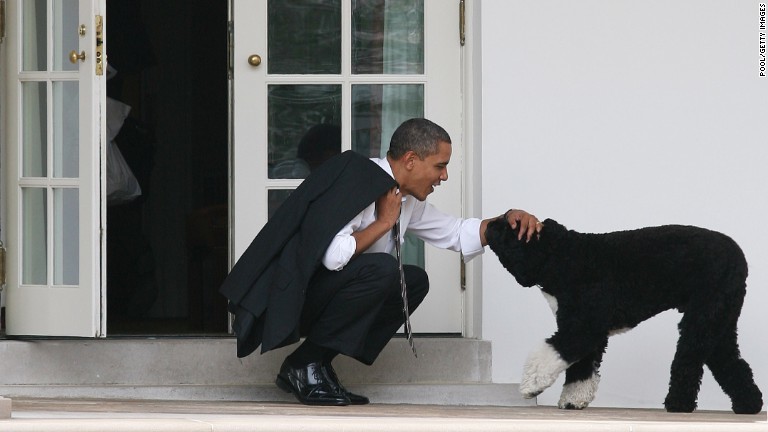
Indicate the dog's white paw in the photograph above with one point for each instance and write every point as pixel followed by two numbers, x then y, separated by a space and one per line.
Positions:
pixel 541 370
pixel 579 394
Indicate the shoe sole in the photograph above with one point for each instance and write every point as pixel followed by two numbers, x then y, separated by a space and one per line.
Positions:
pixel 285 386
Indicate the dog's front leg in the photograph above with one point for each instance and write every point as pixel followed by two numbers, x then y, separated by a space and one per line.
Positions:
pixel 541 370
pixel 581 380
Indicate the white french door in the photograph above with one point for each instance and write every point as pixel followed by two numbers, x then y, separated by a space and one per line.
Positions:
pixel 55 98
pixel 313 78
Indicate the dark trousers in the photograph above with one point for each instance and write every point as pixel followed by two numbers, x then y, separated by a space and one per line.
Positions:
pixel 356 311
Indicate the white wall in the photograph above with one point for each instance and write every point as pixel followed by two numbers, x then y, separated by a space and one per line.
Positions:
pixel 609 115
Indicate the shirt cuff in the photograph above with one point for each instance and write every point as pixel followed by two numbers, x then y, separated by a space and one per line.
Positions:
pixel 471 246
pixel 339 253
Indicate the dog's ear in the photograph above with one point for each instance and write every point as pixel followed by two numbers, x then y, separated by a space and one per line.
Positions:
pixel 552 229
pixel 496 231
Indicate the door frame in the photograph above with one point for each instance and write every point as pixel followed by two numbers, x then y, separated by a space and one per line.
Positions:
pixel 471 62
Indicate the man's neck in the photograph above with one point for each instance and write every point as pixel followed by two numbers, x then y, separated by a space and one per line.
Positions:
pixel 397 169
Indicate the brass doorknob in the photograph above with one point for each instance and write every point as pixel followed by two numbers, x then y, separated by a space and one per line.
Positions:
pixel 73 56
pixel 254 59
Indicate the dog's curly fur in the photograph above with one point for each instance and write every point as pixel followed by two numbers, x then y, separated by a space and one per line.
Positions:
pixel 600 284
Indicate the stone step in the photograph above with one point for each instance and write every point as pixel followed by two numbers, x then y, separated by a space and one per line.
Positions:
pixel 447 371
pixel 212 361
pixel 507 395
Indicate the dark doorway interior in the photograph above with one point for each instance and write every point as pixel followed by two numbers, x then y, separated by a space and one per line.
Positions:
pixel 167 248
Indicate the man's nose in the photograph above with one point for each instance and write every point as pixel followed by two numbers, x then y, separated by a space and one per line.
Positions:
pixel 444 177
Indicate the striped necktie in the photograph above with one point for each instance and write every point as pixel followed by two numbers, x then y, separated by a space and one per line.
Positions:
pixel 403 289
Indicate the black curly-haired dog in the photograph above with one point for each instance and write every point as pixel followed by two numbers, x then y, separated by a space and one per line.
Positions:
pixel 602 284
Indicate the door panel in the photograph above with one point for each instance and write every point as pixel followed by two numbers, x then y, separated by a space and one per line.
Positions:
pixel 53 169
pixel 336 75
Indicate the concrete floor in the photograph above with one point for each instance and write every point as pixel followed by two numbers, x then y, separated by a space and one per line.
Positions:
pixel 84 415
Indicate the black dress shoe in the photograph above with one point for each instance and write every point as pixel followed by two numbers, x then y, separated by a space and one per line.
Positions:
pixel 354 399
pixel 310 385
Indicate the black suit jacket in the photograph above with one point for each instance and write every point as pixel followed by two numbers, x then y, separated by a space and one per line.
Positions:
pixel 266 286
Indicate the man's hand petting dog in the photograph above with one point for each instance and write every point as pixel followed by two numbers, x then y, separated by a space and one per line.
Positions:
pixel 525 224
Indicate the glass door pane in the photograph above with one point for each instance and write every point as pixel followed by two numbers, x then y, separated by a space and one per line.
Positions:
pixel 34 256
pixel 66 134
pixel 66 236
pixel 304 37
pixel 34 126
pixel 34 35
pixel 304 124
pixel 65 34
pixel 378 109
pixel 387 36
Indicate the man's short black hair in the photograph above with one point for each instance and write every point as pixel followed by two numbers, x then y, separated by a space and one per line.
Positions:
pixel 418 134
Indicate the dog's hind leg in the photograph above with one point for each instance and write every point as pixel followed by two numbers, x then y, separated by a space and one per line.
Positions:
pixel 699 331
pixel 581 380
pixel 734 374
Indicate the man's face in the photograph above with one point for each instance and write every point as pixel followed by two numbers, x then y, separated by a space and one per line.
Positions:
pixel 428 173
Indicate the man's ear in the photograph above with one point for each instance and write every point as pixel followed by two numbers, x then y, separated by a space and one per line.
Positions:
pixel 410 159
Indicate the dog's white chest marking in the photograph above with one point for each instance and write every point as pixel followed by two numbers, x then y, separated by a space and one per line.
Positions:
pixel 617 331
pixel 551 300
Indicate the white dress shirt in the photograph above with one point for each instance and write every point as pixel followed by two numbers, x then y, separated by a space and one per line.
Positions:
pixel 416 217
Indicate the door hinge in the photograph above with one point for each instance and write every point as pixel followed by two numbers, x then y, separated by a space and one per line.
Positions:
pixel 2 20
pixel 2 265
pixel 100 58
pixel 462 23
pixel 230 49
